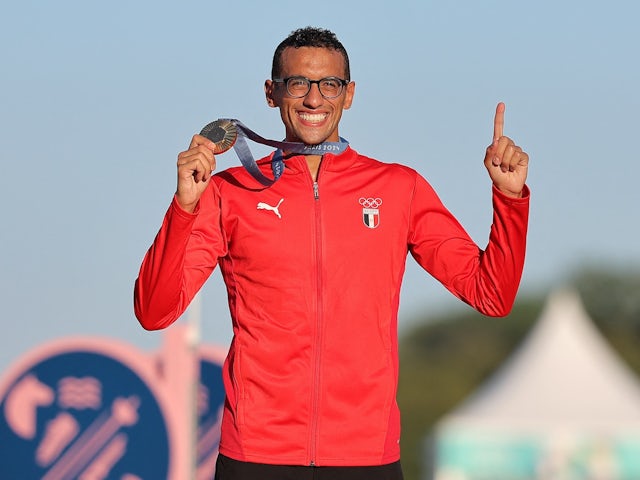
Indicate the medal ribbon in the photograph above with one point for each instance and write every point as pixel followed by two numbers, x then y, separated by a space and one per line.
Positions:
pixel 241 148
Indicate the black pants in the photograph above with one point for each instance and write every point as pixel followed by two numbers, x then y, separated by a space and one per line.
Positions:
pixel 229 469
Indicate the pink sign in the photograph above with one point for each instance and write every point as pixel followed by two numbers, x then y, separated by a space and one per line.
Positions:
pixel 89 408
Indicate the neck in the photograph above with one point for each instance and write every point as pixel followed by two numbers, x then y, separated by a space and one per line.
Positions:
pixel 313 162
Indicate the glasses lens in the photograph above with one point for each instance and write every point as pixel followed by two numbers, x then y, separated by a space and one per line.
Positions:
pixel 298 86
pixel 330 87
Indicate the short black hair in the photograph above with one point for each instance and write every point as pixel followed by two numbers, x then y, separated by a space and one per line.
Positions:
pixel 310 37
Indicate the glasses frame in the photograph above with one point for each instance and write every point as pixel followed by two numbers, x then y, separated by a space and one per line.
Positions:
pixel 342 81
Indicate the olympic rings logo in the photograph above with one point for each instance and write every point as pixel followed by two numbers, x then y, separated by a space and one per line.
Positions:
pixel 370 202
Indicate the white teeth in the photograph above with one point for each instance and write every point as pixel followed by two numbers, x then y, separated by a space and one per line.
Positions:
pixel 312 117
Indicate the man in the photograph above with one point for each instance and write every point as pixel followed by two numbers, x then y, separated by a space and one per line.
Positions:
pixel 313 267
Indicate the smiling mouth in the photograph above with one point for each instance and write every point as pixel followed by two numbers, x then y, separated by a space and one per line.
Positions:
pixel 312 117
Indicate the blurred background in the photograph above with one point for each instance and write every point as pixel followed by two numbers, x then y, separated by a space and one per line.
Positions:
pixel 97 100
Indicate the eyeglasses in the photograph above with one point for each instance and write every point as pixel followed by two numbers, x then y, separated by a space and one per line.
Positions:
pixel 298 87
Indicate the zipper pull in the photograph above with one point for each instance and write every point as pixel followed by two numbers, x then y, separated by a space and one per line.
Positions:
pixel 316 192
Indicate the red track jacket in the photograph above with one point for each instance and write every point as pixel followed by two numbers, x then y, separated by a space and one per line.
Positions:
pixel 313 274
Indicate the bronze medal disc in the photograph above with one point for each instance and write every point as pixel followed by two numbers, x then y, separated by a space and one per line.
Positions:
pixel 221 132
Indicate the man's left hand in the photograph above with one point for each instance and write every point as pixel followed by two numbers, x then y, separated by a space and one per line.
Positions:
pixel 506 162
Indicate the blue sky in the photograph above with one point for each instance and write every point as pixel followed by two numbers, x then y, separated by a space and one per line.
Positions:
pixel 97 99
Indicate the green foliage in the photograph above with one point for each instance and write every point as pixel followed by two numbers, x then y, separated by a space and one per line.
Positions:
pixel 442 362
pixel 613 302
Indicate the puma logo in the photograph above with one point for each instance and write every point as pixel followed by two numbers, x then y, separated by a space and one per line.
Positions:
pixel 266 206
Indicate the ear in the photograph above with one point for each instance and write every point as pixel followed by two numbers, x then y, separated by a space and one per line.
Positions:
pixel 269 87
pixel 348 96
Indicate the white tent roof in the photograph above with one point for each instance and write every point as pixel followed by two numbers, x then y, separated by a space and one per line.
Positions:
pixel 564 377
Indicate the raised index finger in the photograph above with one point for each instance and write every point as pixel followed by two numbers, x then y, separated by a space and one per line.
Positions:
pixel 498 122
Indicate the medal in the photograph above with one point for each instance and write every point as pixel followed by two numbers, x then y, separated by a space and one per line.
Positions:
pixel 222 132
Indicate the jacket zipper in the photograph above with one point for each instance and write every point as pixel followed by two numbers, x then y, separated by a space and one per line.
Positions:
pixel 318 336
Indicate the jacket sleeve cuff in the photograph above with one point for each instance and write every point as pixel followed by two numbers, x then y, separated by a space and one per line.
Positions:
pixel 175 206
pixel 526 193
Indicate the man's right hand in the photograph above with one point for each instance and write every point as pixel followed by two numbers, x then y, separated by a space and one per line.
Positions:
pixel 194 171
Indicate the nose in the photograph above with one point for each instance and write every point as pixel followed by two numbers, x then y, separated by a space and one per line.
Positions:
pixel 314 98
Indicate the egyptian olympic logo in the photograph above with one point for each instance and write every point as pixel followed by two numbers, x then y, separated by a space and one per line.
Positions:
pixel 370 202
